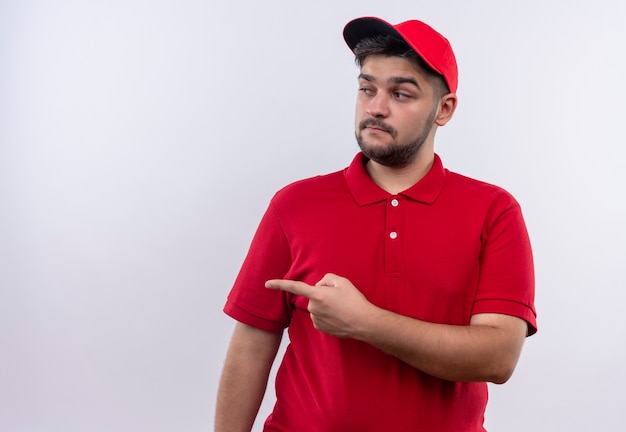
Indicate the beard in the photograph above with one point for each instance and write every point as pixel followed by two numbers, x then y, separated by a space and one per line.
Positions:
pixel 394 155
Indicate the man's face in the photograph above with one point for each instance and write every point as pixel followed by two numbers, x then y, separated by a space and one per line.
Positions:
pixel 395 110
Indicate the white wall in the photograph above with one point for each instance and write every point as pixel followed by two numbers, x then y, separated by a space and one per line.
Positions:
pixel 140 142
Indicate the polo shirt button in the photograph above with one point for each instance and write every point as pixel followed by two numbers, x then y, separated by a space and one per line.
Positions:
pixel 394 202
pixel 393 235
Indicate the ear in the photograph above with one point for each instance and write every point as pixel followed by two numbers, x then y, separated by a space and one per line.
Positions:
pixel 447 105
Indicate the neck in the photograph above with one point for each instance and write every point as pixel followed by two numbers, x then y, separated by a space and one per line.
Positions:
pixel 396 180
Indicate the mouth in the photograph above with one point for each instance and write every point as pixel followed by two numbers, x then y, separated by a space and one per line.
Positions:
pixel 375 127
pixel 375 131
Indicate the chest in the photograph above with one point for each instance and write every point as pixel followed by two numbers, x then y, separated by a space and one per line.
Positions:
pixel 403 255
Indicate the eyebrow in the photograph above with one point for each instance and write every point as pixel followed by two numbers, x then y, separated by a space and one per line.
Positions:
pixel 392 80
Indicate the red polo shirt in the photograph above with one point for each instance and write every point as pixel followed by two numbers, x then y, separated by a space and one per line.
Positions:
pixel 443 250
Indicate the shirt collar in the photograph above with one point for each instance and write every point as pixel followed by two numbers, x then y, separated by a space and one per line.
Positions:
pixel 366 192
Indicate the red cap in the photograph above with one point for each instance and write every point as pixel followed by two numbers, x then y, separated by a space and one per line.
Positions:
pixel 425 41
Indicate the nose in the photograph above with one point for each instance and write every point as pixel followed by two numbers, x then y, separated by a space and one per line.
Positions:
pixel 379 106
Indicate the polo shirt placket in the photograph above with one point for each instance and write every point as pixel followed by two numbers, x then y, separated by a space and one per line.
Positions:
pixel 394 238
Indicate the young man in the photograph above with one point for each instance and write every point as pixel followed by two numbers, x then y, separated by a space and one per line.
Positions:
pixel 404 287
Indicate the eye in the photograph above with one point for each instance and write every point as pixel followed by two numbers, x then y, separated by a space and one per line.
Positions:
pixel 400 95
pixel 368 91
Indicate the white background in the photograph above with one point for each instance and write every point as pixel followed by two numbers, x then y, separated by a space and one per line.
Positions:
pixel 140 142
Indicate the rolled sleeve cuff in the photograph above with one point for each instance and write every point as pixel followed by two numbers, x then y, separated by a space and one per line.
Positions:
pixel 507 307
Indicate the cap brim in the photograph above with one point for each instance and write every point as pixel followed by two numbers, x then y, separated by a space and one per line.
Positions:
pixel 360 28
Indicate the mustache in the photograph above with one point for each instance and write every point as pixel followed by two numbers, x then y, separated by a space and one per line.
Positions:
pixel 379 124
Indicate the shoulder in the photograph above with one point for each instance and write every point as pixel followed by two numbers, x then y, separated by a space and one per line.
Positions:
pixel 311 189
pixel 477 192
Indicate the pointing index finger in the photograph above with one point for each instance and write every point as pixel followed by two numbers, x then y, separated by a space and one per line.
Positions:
pixel 295 287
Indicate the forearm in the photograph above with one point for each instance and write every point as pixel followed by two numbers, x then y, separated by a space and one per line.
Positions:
pixel 244 378
pixel 486 350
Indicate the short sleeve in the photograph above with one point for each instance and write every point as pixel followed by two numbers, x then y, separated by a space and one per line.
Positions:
pixel 268 257
pixel 506 281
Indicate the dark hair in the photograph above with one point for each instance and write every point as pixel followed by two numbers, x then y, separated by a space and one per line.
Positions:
pixel 392 46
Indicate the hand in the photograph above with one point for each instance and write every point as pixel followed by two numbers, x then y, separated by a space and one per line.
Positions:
pixel 336 306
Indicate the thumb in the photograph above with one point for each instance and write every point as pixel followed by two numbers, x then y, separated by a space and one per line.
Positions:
pixel 329 279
